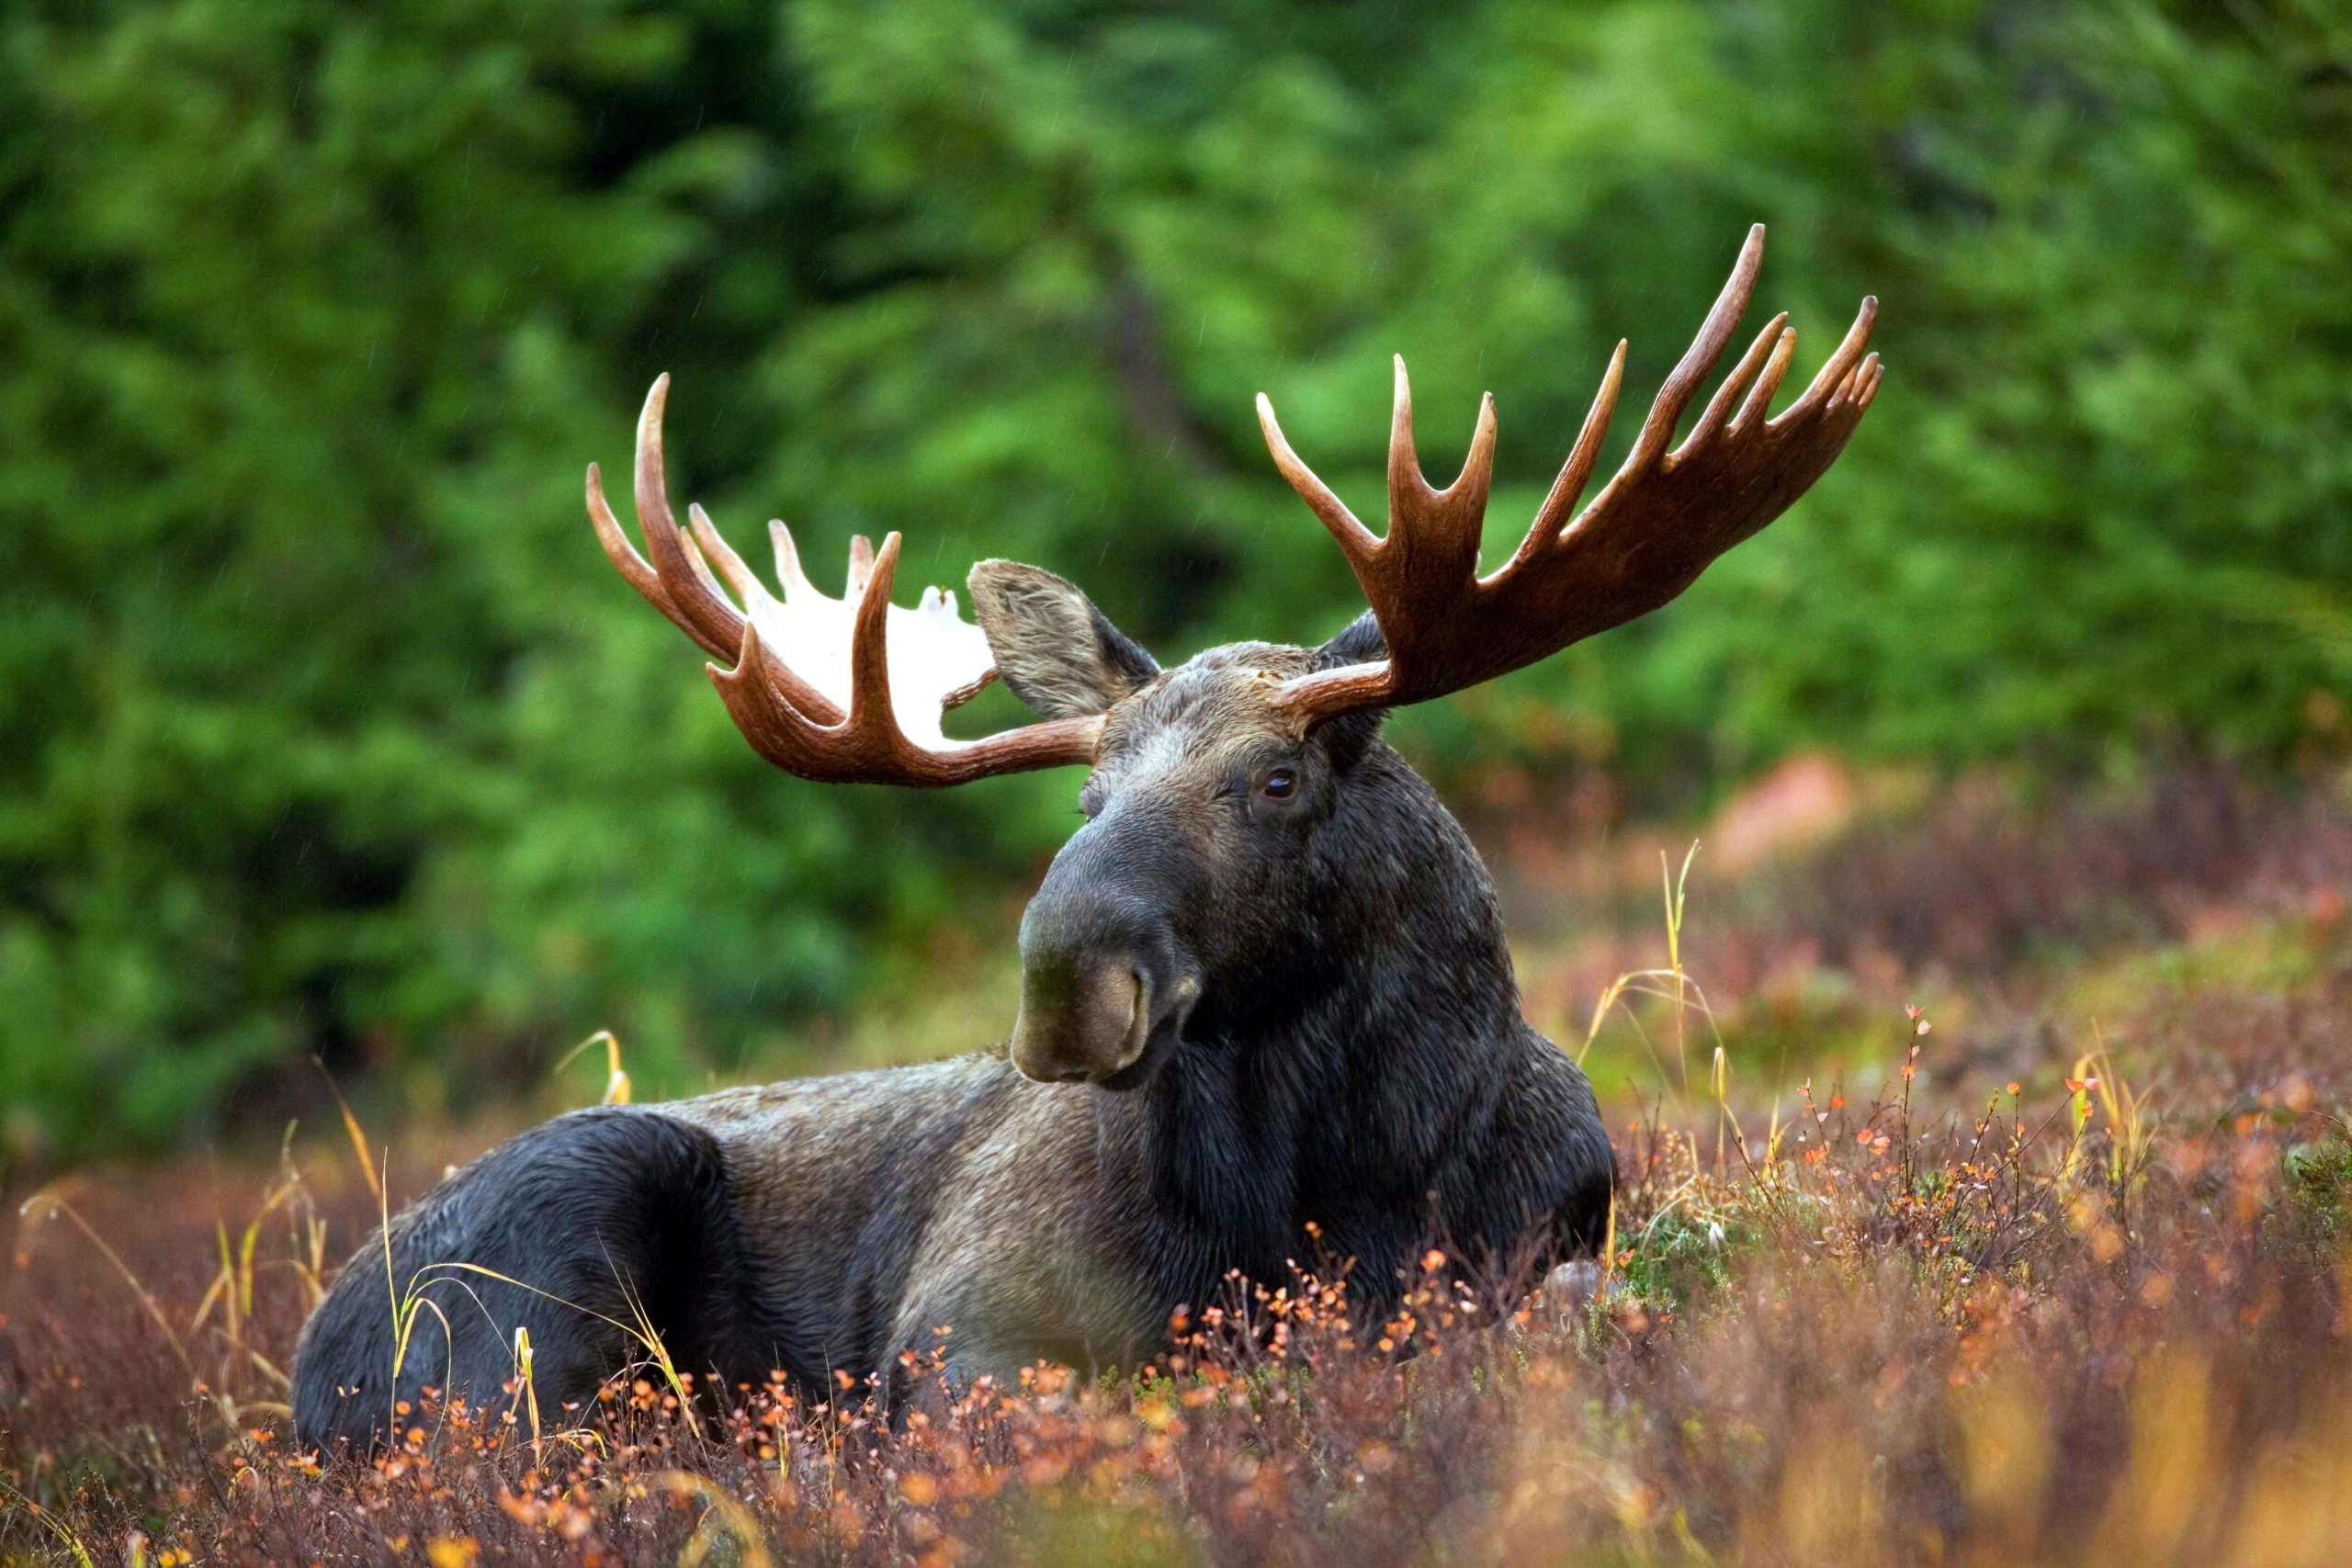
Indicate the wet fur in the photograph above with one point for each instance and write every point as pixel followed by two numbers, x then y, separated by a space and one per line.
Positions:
pixel 1356 1059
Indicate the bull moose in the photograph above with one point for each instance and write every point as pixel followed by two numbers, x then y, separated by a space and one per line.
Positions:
pixel 1263 988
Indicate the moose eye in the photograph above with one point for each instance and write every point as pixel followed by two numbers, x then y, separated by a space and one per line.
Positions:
pixel 1280 784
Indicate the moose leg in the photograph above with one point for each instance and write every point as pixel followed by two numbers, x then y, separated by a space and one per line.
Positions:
pixel 599 1232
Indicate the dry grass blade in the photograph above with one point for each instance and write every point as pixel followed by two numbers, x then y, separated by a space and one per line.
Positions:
pixel 358 1139
pixel 47 1204
pixel 616 1085
pixel 49 1521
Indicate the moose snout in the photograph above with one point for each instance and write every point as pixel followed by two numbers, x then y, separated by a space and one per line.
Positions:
pixel 1082 1020
pixel 1105 982
pixel 1102 979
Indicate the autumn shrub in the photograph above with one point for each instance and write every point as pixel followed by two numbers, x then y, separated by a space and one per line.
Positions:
pixel 2055 1326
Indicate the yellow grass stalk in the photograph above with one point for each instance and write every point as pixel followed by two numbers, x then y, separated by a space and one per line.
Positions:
pixel 50 1522
pixel 358 1138
pixel 616 1087
pixel 530 1389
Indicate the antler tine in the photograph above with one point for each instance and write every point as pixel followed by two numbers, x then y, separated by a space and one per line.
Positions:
pixel 1856 392
pixel 1434 531
pixel 676 581
pixel 632 566
pixel 1560 503
pixel 706 579
pixel 1406 485
pixel 1714 336
pixel 1414 574
pixel 1759 399
pixel 1719 406
pixel 1430 560
pixel 861 565
pixel 713 548
pixel 708 618
pixel 869 649
pixel 788 570
pixel 1355 540
pixel 1832 372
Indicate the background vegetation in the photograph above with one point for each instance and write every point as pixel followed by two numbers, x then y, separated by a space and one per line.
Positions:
pixel 324 728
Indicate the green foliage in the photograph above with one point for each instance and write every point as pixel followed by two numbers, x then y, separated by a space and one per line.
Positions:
pixel 1677 1256
pixel 324 728
pixel 2318 1184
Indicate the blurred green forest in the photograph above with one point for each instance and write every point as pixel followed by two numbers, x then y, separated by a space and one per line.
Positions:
pixel 325 730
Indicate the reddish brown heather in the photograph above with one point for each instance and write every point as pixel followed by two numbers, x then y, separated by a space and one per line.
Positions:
pixel 2097 1319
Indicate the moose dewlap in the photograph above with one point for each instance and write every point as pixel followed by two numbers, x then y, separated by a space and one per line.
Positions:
pixel 1263 988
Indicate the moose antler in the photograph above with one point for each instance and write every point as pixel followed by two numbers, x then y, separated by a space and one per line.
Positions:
pixel 841 691
pixel 1654 527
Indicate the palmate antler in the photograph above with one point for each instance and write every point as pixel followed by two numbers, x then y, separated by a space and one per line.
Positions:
pixel 1654 527
pixel 836 690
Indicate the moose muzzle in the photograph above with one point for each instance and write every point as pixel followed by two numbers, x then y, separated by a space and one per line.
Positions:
pixel 1104 986
pixel 1082 1022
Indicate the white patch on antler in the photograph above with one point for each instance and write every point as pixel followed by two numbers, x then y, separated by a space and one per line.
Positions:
pixel 937 660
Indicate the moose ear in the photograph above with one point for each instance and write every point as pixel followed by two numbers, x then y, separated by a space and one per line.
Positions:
pixel 1057 653
pixel 1359 642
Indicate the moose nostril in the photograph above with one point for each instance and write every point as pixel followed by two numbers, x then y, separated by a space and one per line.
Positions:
pixel 1085 1014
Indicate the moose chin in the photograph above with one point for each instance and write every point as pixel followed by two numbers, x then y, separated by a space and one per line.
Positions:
pixel 1267 1012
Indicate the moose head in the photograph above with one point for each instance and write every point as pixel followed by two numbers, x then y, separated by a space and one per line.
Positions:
pixel 1231 799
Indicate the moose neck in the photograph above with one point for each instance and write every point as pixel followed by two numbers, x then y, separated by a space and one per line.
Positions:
pixel 1335 1076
